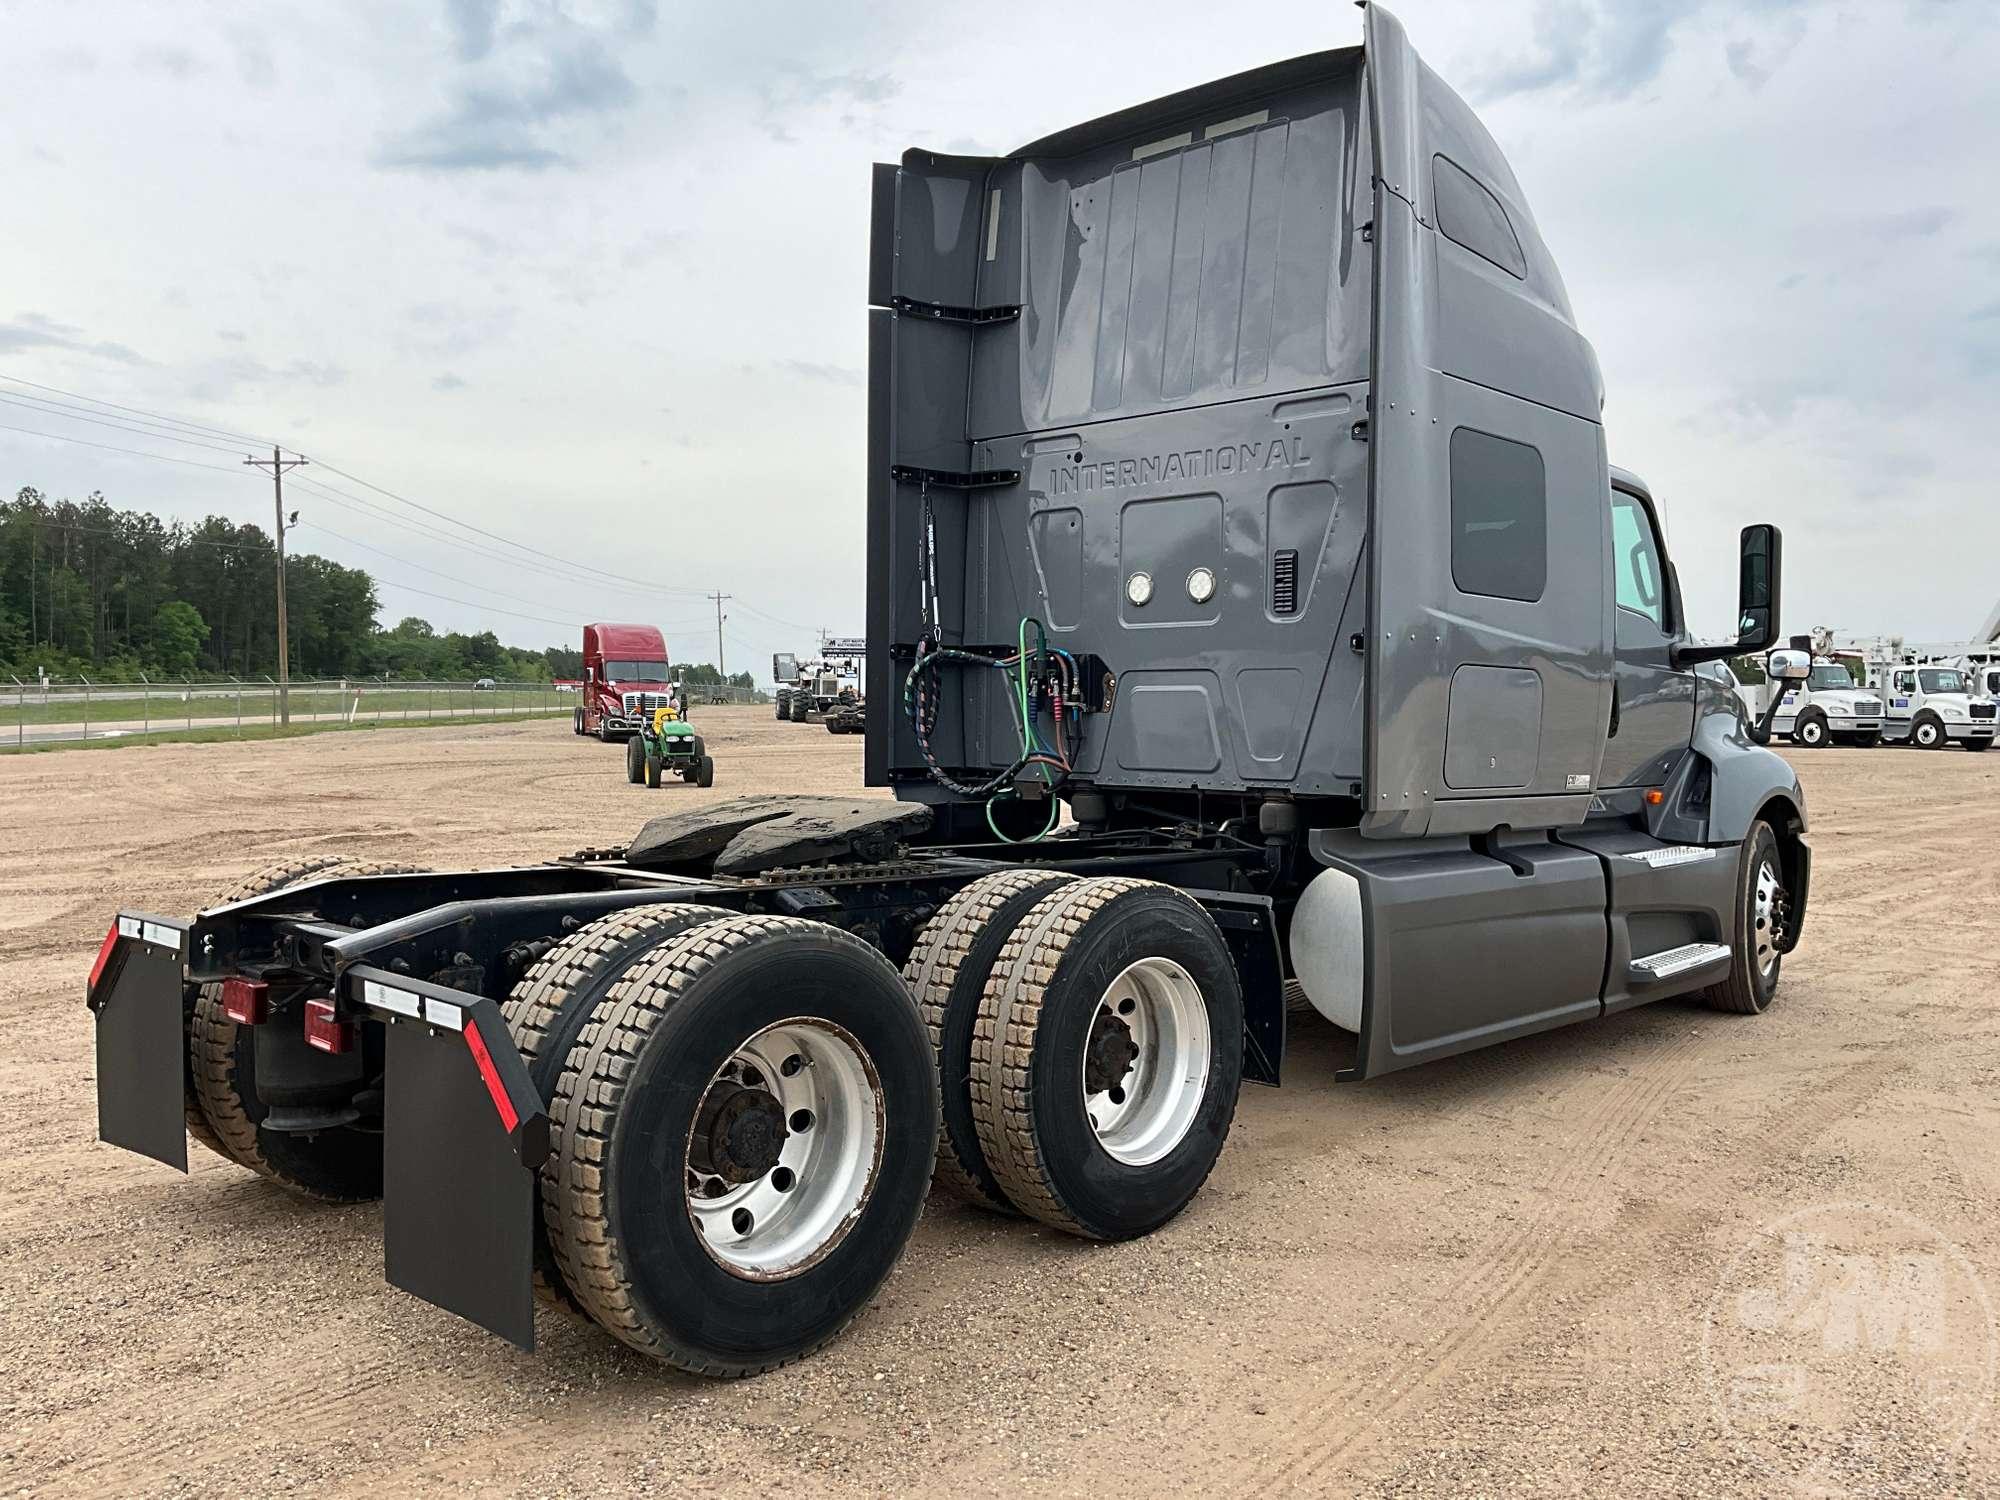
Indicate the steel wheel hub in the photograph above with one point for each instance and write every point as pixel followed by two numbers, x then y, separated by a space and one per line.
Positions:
pixel 784 1149
pixel 1146 1061
pixel 1767 912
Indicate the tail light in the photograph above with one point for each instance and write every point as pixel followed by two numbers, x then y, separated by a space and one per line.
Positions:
pixel 325 1030
pixel 103 956
pixel 246 1001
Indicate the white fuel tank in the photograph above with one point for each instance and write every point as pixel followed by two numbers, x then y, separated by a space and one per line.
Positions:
pixel 1326 944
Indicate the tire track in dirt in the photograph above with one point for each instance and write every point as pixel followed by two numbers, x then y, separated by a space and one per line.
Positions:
pixel 1504 1271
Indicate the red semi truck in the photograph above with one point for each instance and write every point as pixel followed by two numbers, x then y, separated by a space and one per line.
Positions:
pixel 622 666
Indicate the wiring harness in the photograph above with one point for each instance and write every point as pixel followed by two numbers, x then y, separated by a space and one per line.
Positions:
pixel 1043 690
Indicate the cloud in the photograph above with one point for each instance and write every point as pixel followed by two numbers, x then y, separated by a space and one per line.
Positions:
pixel 520 86
pixel 448 382
pixel 221 379
pixel 794 90
pixel 472 27
pixel 448 330
pixel 31 330
pixel 806 369
pixel 174 62
pixel 1604 48
pixel 1907 223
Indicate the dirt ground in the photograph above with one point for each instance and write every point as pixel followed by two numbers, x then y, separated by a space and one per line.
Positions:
pixel 1559 1266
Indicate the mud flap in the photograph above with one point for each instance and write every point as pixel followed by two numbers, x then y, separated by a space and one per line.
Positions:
pixel 464 1135
pixel 141 1045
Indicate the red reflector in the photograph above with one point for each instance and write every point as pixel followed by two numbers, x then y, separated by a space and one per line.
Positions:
pixel 103 955
pixel 243 1001
pixel 508 1118
pixel 325 1030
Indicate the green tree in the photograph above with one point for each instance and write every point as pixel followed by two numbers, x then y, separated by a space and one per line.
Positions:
pixel 177 637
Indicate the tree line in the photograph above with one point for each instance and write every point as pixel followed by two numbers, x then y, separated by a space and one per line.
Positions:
pixel 88 590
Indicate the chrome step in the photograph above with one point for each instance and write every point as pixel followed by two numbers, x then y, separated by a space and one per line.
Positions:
pixel 1673 854
pixel 1677 961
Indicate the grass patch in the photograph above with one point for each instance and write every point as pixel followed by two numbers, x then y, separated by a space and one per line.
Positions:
pixel 260 704
pixel 230 733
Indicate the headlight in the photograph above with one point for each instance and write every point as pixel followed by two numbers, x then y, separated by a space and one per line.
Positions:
pixel 1838 708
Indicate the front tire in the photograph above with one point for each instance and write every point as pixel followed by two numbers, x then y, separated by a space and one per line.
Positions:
pixel 742 1137
pixel 1107 1057
pixel 1811 732
pixel 635 761
pixel 1762 908
pixel 1978 744
pixel 1928 732
pixel 653 768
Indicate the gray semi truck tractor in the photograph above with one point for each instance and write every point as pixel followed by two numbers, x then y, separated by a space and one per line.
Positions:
pixel 1249 601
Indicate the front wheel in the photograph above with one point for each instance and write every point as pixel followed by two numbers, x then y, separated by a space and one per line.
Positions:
pixel 1763 907
pixel 740 1144
pixel 1811 732
pixel 1979 744
pixel 1867 741
pixel 635 761
pixel 704 771
pixel 1928 733
pixel 653 769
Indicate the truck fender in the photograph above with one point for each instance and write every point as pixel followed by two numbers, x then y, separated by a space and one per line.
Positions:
pixel 1744 778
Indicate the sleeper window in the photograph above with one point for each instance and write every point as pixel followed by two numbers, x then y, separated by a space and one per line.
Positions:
pixel 1499 517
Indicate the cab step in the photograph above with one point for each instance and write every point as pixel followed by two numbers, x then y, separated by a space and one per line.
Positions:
pixel 1678 963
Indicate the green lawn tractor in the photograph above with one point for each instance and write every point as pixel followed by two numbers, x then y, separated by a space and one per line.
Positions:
pixel 667 745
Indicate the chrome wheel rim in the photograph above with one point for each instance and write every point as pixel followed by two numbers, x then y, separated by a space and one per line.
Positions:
pixel 1764 909
pixel 1146 1061
pixel 784 1149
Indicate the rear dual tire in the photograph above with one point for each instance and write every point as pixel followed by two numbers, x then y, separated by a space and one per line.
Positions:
pixel 727 1264
pixel 1089 1039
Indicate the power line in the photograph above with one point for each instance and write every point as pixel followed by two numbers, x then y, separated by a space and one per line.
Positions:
pixel 538 558
pixel 370 508
pixel 63 412
pixel 539 553
pixel 57 437
pixel 137 411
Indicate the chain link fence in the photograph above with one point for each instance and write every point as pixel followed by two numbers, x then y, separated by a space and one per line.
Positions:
pixel 45 712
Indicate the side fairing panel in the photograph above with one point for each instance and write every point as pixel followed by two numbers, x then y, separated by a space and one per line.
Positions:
pixel 1475 561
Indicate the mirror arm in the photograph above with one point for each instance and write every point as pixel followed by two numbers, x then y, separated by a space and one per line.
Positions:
pixel 1682 655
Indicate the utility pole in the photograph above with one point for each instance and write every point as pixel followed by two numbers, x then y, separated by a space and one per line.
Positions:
pixel 720 670
pixel 277 463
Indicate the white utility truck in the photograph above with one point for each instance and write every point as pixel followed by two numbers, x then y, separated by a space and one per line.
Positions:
pixel 1828 707
pixel 1927 704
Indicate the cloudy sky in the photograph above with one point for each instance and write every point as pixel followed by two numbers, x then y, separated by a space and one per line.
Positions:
pixel 591 274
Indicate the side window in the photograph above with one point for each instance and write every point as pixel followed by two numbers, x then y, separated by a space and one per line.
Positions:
pixel 1499 517
pixel 1469 215
pixel 1906 682
pixel 1635 560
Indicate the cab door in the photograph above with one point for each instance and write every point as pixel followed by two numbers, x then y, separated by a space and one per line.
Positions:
pixel 1901 707
pixel 1652 704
